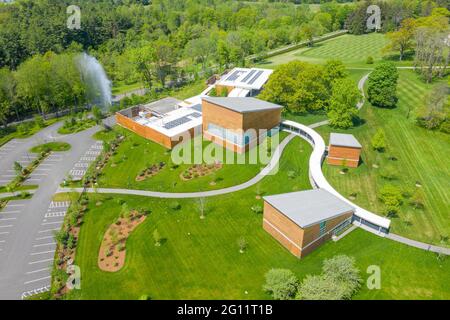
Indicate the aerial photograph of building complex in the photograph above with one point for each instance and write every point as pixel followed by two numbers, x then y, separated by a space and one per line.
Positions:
pixel 224 150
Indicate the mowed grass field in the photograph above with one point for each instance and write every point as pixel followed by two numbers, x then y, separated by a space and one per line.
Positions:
pixel 137 153
pixel 352 50
pixel 200 259
pixel 422 157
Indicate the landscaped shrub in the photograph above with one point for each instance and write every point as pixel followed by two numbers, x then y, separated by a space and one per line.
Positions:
pixel 175 206
pixel 339 280
pixel 282 284
pixel 392 198
pixel 378 141
pixel 369 60
pixel 257 209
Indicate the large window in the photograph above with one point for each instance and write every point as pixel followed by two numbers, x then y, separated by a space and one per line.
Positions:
pixel 228 135
pixel 323 228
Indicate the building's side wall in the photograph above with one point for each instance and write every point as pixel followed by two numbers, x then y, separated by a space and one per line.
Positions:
pixel 221 116
pixel 313 232
pixel 280 227
pixel 261 120
pixel 150 133
pixel 336 155
pixel 232 120
pixel 221 88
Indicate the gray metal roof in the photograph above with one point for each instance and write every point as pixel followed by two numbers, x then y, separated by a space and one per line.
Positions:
pixel 344 140
pixel 243 104
pixel 163 106
pixel 306 208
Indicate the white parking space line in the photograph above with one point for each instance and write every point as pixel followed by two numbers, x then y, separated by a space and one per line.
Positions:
pixel 15 205
pixel 44 244
pixel 48 230
pixel 39 174
pixel 7 219
pixel 44 238
pixel 38 270
pixel 4 232
pixel 40 261
pixel 40 169
pixel 48 223
pixel 7 226
pixel 33 292
pixel 9 212
pixel 43 252
pixel 36 280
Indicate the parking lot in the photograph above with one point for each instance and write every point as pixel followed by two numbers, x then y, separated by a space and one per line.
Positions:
pixel 79 169
pixel 38 269
pixel 8 220
pixel 7 173
pixel 44 169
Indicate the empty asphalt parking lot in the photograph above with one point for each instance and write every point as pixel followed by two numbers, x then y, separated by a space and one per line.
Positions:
pixel 27 226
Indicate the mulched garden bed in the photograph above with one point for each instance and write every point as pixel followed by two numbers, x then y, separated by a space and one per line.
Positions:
pixel 112 253
pixel 200 170
pixel 150 171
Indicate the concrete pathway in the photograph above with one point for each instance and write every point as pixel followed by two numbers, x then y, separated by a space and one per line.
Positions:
pixel 170 195
pixel 418 244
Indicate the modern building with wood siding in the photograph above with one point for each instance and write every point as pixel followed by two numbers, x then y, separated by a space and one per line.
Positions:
pixel 162 121
pixel 344 149
pixel 239 123
pixel 302 221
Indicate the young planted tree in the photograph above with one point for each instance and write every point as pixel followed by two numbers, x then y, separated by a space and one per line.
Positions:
pixel 417 200
pixel 378 141
pixel 242 243
pixel 201 207
pixel 157 238
pixel 18 168
pixel 342 110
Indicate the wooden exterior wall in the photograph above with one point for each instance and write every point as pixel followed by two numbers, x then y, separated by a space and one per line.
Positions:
pixel 221 88
pixel 233 120
pixel 149 133
pixel 297 240
pixel 337 154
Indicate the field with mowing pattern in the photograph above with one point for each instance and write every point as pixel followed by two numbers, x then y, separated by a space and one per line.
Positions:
pixel 352 50
pixel 422 156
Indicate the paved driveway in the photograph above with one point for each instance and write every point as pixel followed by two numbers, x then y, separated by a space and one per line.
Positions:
pixel 26 251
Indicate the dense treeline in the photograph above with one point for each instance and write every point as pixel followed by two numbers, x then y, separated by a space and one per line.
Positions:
pixel 393 12
pixel 162 44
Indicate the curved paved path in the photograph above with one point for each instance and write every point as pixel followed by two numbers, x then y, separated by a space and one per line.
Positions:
pixel 266 171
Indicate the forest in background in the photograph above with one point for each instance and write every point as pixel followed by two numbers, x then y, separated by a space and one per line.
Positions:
pixel 162 44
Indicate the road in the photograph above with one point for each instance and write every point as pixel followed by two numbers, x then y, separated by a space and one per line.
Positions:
pixel 26 226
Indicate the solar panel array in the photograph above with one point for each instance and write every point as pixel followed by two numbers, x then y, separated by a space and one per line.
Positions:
pixel 197 107
pixel 180 121
pixel 248 76
pixel 234 76
pixel 258 74
pixel 196 115
pixel 177 122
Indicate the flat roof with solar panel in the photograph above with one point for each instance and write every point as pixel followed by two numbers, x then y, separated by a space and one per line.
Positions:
pixel 245 78
pixel 174 122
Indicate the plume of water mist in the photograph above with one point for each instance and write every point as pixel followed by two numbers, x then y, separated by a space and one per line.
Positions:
pixel 97 84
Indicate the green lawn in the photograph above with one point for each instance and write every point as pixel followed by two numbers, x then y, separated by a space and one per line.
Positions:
pixel 200 259
pixel 137 153
pixel 352 50
pixel 422 156
pixel 52 146
pixel 11 133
